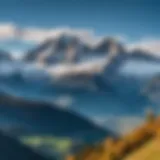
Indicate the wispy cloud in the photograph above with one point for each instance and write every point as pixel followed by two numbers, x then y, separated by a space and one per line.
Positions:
pixel 116 123
pixel 38 34
pixel 147 44
pixel 7 31
pixel 64 101
pixel 85 68
pixel 35 34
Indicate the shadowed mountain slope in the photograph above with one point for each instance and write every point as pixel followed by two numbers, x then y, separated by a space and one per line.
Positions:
pixel 10 149
pixel 46 119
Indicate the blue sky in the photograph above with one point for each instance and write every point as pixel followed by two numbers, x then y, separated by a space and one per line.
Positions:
pixel 134 19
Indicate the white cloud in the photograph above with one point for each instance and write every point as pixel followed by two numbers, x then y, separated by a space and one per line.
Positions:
pixel 89 67
pixel 147 44
pixel 7 31
pixel 35 34
pixel 40 34
pixel 64 101
pixel 88 35
pixel 17 54
pixel 120 124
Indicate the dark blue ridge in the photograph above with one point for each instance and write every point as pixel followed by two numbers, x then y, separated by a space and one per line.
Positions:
pixel 42 118
pixel 11 149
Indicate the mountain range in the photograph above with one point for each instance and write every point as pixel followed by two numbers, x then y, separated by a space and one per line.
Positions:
pixel 86 82
pixel 66 48
pixel 75 92
pixel 106 87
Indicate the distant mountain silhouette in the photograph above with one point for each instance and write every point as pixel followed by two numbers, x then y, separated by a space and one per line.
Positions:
pixel 152 89
pixel 138 54
pixel 105 45
pixel 63 48
pixel 5 56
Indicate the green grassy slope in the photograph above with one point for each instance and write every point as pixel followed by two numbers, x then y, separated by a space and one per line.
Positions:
pixel 48 145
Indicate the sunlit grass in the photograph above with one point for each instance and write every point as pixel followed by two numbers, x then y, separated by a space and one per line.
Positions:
pixel 150 151
pixel 48 144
